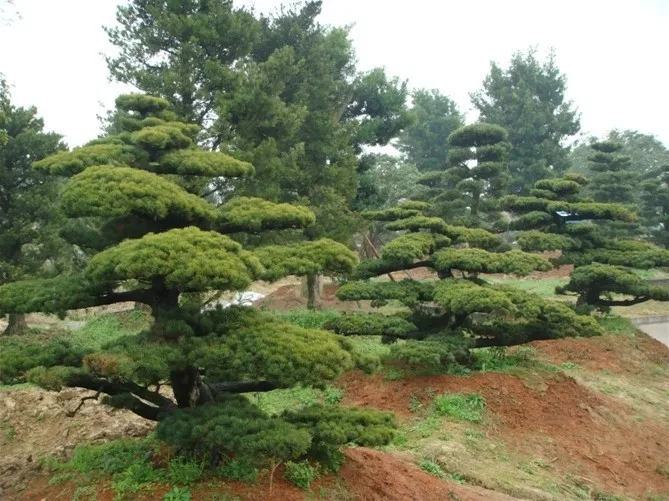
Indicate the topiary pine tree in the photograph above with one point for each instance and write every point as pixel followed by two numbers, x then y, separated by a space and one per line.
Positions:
pixel 475 175
pixel 554 217
pixel 460 311
pixel 162 242
pixel 655 205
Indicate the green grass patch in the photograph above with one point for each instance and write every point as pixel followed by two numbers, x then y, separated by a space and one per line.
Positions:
pixel 544 287
pixel 467 407
pixel 614 324
pixel 107 328
pixel 276 401
pixel 301 473
pixel 309 319
pixel 432 468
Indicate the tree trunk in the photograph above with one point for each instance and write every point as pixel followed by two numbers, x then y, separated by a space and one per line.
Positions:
pixel 16 324
pixel 314 288
pixel 188 388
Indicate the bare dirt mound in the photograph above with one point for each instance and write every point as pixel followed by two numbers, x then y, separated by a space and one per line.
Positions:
pixel 617 353
pixel 549 417
pixel 378 476
pixel 35 424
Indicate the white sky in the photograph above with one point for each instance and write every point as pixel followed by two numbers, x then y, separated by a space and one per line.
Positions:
pixel 613 52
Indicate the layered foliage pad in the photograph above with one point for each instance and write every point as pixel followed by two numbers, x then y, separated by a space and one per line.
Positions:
pixel 143 189
pixel 596 283
pixel 474 174
pixel 587 233
pixel 448 317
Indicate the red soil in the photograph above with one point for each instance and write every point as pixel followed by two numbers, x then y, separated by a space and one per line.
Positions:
pixel 556 419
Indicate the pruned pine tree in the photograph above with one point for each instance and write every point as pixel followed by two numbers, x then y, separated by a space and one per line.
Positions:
pixel 613 182
pixel 474 175
pixel 555 218
pixel 655 204
pixel 163 241
pixel 448 317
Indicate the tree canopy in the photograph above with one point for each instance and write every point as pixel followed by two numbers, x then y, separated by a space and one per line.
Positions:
pixel 554 217
pixel 30 244
pixel 168 242
pixel 460 311
pixel 528 99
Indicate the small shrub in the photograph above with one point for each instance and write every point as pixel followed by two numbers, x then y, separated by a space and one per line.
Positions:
pixel 239 470
pixel 456 477
pixel 333 395
pixel 110 458
pixel 301 473
pixel 132 479
pixel 183 472
pixel 432 468
pixel 463 407
pixel 177 494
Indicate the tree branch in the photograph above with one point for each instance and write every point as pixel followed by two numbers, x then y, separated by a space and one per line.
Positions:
pixel 626 302
pixel 242 387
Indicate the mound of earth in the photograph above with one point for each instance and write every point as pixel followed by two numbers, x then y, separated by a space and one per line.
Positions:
pixel 36 424
pixel 550 416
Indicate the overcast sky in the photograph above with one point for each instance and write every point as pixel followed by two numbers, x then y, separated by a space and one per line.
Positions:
pixel 614 53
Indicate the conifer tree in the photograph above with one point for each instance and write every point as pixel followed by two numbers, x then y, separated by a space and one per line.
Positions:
pixel 161 242
pixel 445 319
pixel 474 176
pixel 655 204
pixel 30 245
pixel 554 217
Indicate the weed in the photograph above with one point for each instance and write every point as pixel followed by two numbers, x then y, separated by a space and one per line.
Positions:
pixel 426 427
pixel 399 440
pixel 432 468
pixel 301 473
pixel 276 401
pixel 133 478
pixel 446 437
pixel 569 366
pixel 473 434
pixel 183 472
pixel 615 324
pixel 309 319
pixel 528 468
pixel 333 395
pixel 177 494
pixel 461 406
pixel 414 403
pixel 85 493
pixel 239 469
pixel 10 432
pixel 663 470
pixel 393 373
pixel 59 478
pixel 499 359
pixel 603 496
pixel 456 477
pixel 110 458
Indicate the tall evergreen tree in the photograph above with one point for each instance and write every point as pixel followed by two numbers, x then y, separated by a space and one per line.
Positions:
pixel 654 206
pixel 528 100
pixel 29 219
pixel 474 176
pixel 290 101
pixel 425 141
pixel 554 217
pixel 163 242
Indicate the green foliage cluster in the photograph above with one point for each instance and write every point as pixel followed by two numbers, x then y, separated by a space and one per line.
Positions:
pixel 236 427
pixel 146 185
pixel 528 99
pixel 449 317
pixel 467 407
pixel 589 234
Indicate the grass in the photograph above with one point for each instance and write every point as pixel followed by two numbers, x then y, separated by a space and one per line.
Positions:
pixel 544 287
pixel 614 324
pixel 460 406
pixel 309 319
pixel 276 401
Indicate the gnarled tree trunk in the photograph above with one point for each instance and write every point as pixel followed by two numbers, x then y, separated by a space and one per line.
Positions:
pixel 16 324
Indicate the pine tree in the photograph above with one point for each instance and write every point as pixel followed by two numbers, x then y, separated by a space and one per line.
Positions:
pixel 655 205
pixel 528 99
pixel 164 243
pixel 554 217
pixel 29 220
pixel 446 318
pixel 474 176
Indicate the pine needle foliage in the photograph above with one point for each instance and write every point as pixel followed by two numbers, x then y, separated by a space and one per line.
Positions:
pixel 144 189
pixel 446 318
pixel 590 234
